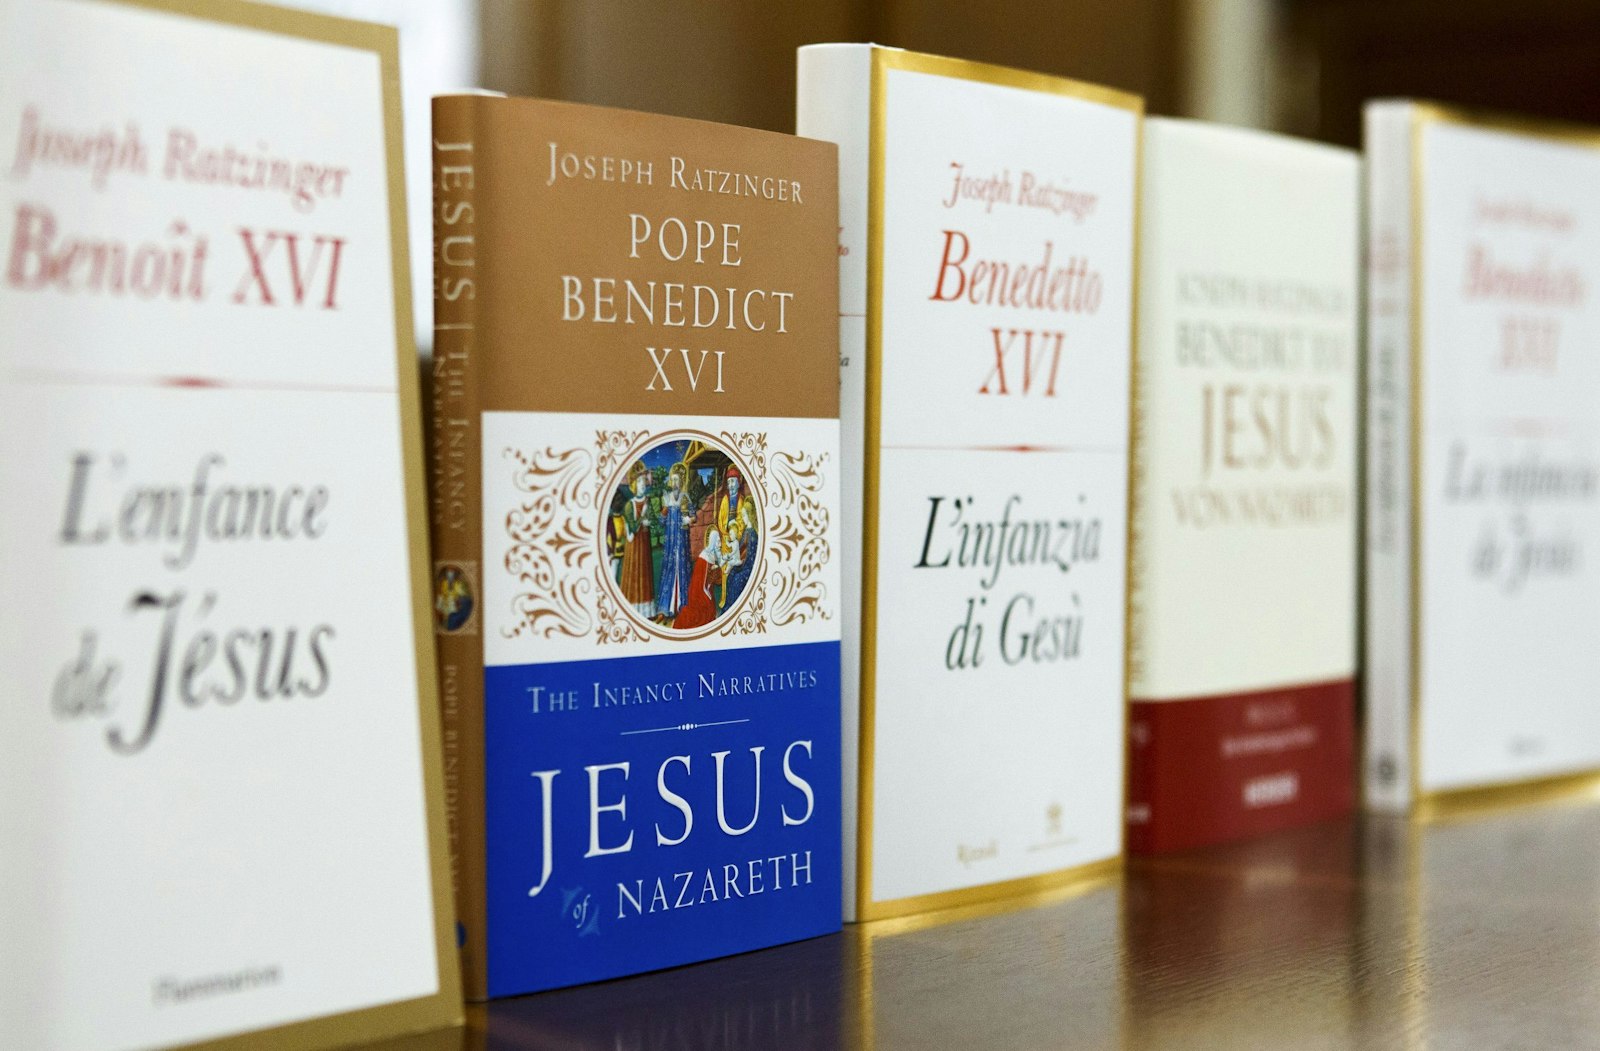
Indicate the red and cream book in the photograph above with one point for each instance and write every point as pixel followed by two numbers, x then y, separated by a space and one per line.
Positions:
pixel 222 817
pixel 1242 637
pixel 986 269
pixel 1483 547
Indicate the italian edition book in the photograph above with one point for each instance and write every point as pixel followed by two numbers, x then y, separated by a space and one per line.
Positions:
pixel 986 296
pixel 635 511
pixel 1483 546
pixel 1242 626
pixel 222 814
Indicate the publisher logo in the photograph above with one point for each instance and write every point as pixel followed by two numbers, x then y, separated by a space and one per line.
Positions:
pixel 455 598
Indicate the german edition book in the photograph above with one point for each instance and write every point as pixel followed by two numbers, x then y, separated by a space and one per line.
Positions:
pixel 1242 629
pixel 986 295
pixel 1483 532
pixel 221 796
pixel 635 516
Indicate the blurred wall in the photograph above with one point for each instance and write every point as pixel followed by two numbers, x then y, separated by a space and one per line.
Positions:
pixel 1302 66
pixel 733 61
pixel 1539 57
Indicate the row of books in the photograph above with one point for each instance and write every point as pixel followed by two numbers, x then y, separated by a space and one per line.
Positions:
pixel 920 510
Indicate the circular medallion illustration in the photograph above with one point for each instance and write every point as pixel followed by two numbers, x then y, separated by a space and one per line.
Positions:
pixel 682 534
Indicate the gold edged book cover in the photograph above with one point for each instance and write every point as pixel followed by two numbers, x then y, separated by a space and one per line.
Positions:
pixel 222 699
pixel 987 225
pixel 1483 482
pixel 636 502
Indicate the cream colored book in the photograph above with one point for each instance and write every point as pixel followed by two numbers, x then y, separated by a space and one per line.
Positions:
pixel 222 810
pixel 986 294
pixel 1483 533
pixel 1243 630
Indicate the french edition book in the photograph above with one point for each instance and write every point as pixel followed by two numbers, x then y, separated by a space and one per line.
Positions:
pixel 635 516
pixel 986 295
pixel 1483 545
pixel 224 820
pixel 1242 634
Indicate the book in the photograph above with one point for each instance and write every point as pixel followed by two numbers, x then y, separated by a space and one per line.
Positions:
pixel 1483 532
pixel 223 823
pixel 636 497
pixel 1242 631
pixel 440 49
pixel 986 294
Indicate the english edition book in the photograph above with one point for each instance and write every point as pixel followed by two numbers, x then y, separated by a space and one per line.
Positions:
pixel 636 515
pixel 986 293
pixel 1242 629
pixel 1483 532
pixel 221 799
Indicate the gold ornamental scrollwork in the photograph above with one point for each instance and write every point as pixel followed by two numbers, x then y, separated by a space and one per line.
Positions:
pixel 797 538
pixel 611 449
pixel 555 552
pixel 551 549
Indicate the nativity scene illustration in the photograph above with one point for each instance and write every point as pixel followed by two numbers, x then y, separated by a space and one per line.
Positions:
pixel 682 535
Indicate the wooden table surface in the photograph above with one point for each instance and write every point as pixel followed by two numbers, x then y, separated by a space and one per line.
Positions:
pixel 1369 933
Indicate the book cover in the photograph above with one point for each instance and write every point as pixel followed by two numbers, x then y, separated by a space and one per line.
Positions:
pixel 1242 629
pixel 222 817
pixel 1483 591
pixel 636 498
pixel 986 293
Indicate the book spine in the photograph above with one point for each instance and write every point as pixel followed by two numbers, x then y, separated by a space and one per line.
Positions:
pixel 1387 764
pixel 834 89
pixel 457 512
pixel 1141 746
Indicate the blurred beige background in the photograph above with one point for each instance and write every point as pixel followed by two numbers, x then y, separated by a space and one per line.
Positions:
pixel 1302 66
pixel 1299 66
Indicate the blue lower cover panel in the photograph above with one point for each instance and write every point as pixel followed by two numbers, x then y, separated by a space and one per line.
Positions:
pixel 690 803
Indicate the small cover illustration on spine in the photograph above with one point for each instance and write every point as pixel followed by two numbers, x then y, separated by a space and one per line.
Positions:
pixel 987 243
pixel 636 503
pixel 1242 620
pixel 1483 481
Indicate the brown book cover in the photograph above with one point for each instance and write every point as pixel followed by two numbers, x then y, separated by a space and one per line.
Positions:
pixel 635 491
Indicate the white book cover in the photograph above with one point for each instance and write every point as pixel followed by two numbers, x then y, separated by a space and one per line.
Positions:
pixel 439 51
pixel 1243 612
pixel 1484 457
pixel 986 267
pixel 221 808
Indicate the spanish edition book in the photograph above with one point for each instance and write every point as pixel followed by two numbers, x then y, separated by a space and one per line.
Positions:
pixel 986 296
pixel 636 505
pixel 222 820
pixel 1483 535
pixel 1242 629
